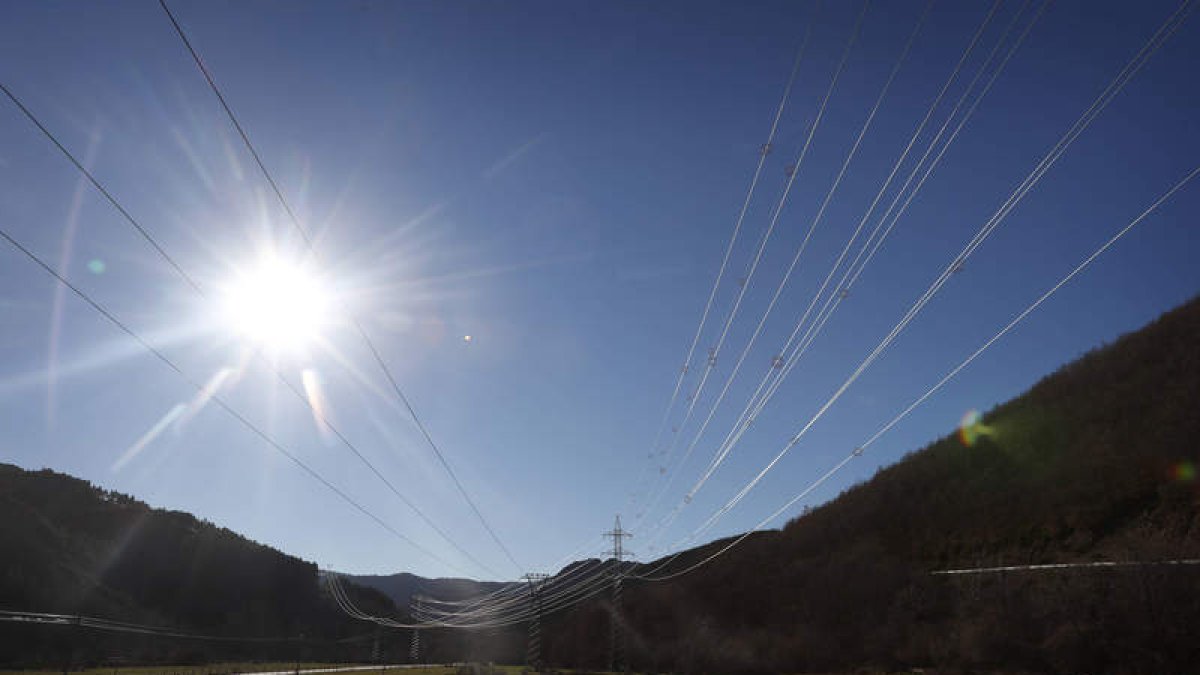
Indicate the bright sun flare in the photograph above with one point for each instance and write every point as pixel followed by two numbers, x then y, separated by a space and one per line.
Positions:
pixel 280 306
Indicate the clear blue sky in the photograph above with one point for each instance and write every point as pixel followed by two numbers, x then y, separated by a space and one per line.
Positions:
pixel 558 181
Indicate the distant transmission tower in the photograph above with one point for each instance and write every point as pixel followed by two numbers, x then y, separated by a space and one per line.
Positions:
pixel 616 654
pixel 533 655
pixel 414 649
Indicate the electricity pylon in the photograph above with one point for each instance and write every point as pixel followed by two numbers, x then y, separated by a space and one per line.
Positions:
pixel 533 653
pixel 414 649
pixel 616 654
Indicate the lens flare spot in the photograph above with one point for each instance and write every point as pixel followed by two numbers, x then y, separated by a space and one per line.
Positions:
pixel 317 403
pixel 96 266
pixel 148 437
pixel 467 338
pixel 1184 472
pixel 972 428
pixel 210 389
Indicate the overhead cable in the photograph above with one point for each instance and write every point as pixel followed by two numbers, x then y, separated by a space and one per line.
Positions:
pixel 386 370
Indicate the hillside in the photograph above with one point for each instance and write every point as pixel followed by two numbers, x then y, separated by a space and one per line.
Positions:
pixel 71 548
pixel 402 587
pixel 1095 462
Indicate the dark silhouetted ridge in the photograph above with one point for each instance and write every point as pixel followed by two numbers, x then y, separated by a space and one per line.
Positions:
pixel 1095 462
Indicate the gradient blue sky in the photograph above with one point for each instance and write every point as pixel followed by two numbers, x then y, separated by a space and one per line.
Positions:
pixel 557 180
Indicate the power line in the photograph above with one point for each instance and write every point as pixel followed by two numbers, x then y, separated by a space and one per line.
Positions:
pixel 795 260
pixel 616 653
pixel 507 596
pixel 1169 26
pixel 1056 567
pixel 100 188
pixel 764 150
pixel 1077 128
pixel 215 398
pixel 236 124
pixel 533 652
pixel 859 450
pixel 778 211
pixel 312 249
pixel 774 377
pixel 429 439
pixel 555 588
pixel 585 590
pixel 782 363
pixel 79 620
pixel 481 612
pixel 515 611
pixel 493 610
pixel 200 291
pixel 1087 261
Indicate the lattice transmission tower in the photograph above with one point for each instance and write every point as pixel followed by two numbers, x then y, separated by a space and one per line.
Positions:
pixel 533 653
pixel 616 653
pixel 414 648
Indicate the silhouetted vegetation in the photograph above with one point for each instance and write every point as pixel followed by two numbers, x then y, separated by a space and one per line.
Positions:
pixel 71 548
pixel 403 587
pixel 1095 462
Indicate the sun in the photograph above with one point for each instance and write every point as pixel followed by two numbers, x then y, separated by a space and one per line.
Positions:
pixel 278 305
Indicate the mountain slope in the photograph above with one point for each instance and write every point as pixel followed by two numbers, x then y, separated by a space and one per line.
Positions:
pixel 403 587
pixel 71 548
pixel 1096 461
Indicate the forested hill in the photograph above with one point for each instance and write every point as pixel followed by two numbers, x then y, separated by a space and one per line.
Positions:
pixel 403 587
pixel 1095 462
pixel 71 548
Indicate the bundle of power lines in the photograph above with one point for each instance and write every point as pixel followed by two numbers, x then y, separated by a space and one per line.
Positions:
pixel 521 601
